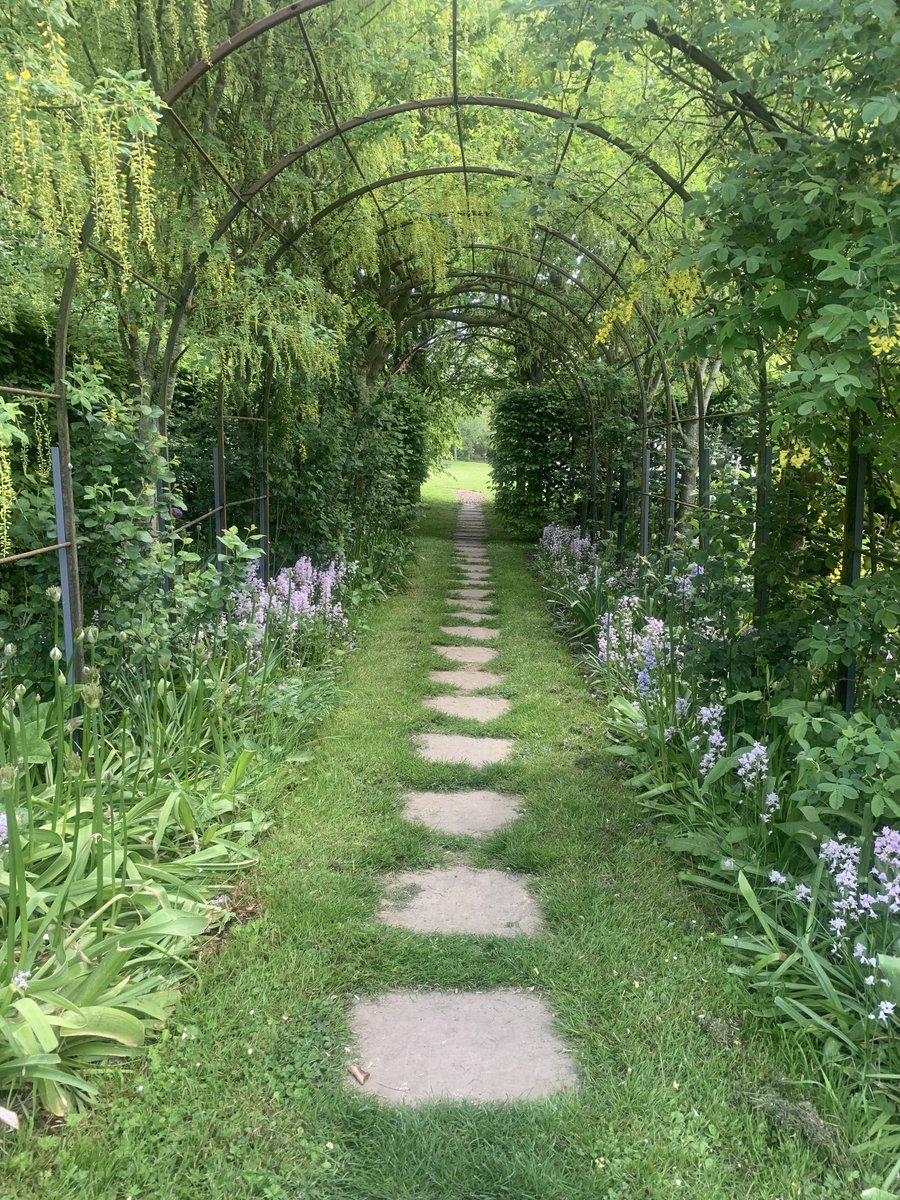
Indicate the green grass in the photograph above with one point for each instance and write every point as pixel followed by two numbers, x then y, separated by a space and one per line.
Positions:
pixel 630 964
pixel 440 485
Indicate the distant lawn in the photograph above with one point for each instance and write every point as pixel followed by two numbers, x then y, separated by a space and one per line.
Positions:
pixel 469 476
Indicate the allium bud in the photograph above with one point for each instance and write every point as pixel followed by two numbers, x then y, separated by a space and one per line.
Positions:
pixel 56 654
pixel 9 649
pixel 165 661
pixel 20 691
pixel 54 594
pixel 92 694
pixel 7 776
pixel 91 633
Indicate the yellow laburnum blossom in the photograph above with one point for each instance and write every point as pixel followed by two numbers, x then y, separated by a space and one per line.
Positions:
pixel 881 340
pixel 620 312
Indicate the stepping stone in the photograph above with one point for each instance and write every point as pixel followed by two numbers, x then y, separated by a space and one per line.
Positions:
pixel 467 681
pixel 477 1046
pixel 459 900
pixel 462 750
pixel 482 606
pixel 467 654
pixel 468 615
pixel 471 812
pixel 471 593
pixel 471 708
pixel 474 572
pixel 477 633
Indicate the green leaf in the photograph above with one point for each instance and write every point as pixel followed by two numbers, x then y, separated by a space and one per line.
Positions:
pixel 99 1021
pixel 750 896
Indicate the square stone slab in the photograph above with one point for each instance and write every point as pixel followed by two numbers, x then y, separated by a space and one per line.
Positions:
pixel 478 1046
pixel 471 812
pixel 467 681
pixel 478 633
pixel 470 708
pixel 471 593
pixel 467 615
pixel 467 654
pixel 459 900
pixel 462 750
pixel 472 605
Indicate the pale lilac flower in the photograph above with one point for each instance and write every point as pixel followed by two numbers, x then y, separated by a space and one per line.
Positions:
pixel 681 706
pixel 777 877
pixel 20 980
pixel 770 805
pixel 753 765
pixel 803 892
pixel 711 716
pixel 885 1010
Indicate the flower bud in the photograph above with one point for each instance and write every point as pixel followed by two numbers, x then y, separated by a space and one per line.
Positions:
pixel 54 594
pixel 91 633
pixel 92 694
pixel 9 649
pixel 7 776
pixel 56 654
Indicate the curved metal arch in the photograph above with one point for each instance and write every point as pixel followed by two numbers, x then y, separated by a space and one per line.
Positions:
pixel 403 177
pixel 408 284
pixel 491 332
pixel 489 321
pixel 445 300
pixel 634 358
pixel 620 329
pixel 464 315
pixel 488 276
pixel 225 222
pixel 580 248
pixel 455 102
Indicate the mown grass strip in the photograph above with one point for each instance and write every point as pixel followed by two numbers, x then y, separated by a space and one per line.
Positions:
pixel 249 1095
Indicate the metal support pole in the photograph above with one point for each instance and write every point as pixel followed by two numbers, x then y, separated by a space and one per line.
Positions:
pixel 645 505
pixel 63 555
pixel 263 520
pixel 854 525
pixel 763 489
pixel 594 469
pixel 610 480
pixel 264 473
pixel 66 495
pixel 217 505
pixel 219 471
pixel 163 524
pixel 671 482
pixel 623 509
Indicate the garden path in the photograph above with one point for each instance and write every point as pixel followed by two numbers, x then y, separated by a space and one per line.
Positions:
pixel 483 1045
pixel 250 1096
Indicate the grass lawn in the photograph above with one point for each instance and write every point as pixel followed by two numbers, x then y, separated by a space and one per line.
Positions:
pixel 465 476
pixel 248 1096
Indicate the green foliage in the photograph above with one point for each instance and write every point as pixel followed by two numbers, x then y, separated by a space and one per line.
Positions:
pixel 789 810
pixel 538 464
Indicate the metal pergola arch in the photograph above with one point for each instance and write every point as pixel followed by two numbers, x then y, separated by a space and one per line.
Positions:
pixel 750 106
